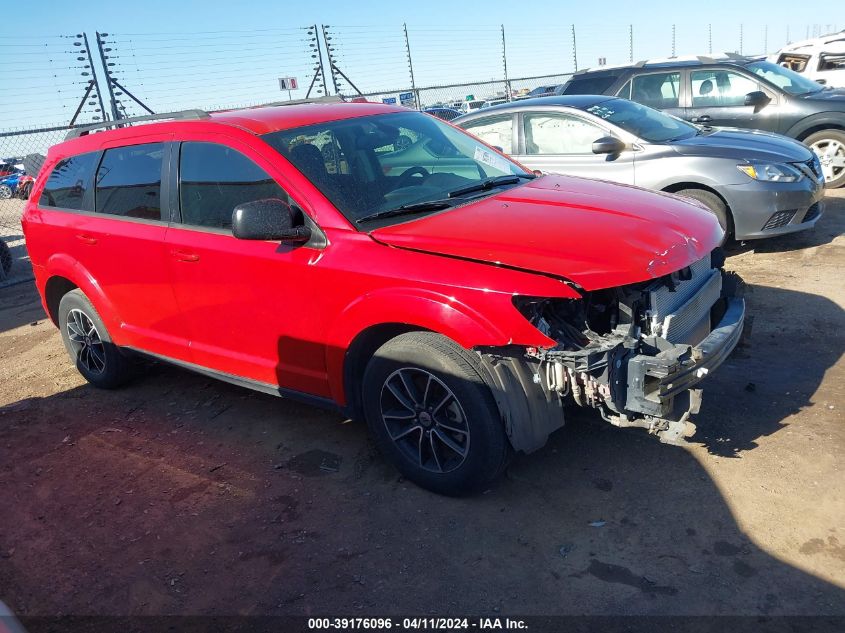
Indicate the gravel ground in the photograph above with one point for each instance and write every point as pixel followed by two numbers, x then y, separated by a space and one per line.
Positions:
pixel 181 495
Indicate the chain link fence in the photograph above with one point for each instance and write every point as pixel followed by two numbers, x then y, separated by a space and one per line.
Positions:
pixel 22 153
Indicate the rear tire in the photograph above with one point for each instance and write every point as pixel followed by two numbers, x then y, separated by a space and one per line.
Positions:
pixel 89 345
pixel 431 414
pixel 716 206
pixel 829 146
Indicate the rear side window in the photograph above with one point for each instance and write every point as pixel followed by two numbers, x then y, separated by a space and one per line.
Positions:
pixel 495 131
pixel 214 179
pixel 129 181
pixel 590 85
pixel 795 62
pixel 657 90
pixel 69 182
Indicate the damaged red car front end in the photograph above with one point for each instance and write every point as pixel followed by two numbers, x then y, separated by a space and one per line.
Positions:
pixel 655 311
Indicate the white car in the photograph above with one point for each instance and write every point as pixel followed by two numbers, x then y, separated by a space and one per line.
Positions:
pixel 821 59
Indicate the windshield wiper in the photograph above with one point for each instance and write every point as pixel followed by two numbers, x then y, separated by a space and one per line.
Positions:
pixel 489 183
pixel 428 205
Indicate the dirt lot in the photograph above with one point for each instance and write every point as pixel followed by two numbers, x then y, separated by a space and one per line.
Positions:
pixel 180 495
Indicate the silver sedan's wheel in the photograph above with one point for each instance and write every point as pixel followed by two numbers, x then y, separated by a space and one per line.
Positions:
pixel 425 420
pixel 5 192
pixel 829 146
pixel 86 342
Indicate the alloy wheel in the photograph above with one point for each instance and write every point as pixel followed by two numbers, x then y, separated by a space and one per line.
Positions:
pixel 5 192
pixel 425 420
pixel 831 155
pixel 86 342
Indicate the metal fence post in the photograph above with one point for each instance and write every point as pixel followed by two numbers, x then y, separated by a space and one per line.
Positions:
pixel 574 49
pixel 112 101
pixel 326 39
pixel 505 64
pixel 411 66
pixel 316 53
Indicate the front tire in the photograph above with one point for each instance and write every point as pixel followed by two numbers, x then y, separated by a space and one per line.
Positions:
pixel 431 414
pixel 716 206
pixel 5 192
pixel 829 146
pixel 89 345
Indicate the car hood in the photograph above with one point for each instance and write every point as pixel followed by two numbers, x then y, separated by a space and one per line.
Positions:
pixel 744 145
pixel 594 233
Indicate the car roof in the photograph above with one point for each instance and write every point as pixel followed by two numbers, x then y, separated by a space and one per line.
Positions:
pixel 258 121
pixel 730 59
pixel 571 101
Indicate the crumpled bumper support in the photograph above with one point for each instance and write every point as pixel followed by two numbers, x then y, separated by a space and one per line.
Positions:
pixel 654 381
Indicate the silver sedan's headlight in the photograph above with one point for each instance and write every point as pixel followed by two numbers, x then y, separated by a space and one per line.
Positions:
pixel 770 172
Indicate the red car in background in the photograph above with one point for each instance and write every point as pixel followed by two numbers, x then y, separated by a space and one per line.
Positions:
pixel 434 288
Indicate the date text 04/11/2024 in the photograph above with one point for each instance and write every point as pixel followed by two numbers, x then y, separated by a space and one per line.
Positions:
pixel 417 624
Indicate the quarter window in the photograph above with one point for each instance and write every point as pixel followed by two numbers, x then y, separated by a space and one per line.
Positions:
pixel 214 179
pixel 497 131
pixel 559 134
pixel 69 182
pixel 720 88
pixel 657 90
pixel 129 181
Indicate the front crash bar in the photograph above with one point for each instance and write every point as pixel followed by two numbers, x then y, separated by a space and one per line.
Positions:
pixel 654 381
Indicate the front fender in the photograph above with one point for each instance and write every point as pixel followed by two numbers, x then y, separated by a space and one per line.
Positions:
pixel 832 120
pixel 426 310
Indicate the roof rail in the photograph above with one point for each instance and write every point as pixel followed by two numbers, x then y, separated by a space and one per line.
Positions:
pixel 182 115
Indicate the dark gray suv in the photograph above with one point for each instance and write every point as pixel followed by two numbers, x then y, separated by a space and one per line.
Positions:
pixel 733 91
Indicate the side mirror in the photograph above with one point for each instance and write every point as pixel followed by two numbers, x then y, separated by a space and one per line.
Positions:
pixel 608 145
pixel 269 219
pixel 758 99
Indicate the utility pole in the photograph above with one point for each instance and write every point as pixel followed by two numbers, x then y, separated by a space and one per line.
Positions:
pixel 326 39
pixel 316 53
pixel 112 102
pixel 411 66
pixel 93 82
pixel 112 82
pixel 505 64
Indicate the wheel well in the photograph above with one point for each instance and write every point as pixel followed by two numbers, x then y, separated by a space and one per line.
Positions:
pixel 680 186
pixel 363 346
pixel 57 287
pixel 819 128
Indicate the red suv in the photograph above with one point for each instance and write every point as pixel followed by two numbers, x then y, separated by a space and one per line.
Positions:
pixel 386 264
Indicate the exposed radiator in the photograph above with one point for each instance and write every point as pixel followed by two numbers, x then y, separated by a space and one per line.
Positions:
pixel 682 315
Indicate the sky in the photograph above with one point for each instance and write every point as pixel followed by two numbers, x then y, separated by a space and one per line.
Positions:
pixel 209 54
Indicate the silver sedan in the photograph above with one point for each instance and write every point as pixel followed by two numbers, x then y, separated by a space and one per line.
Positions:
pixel 758 184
